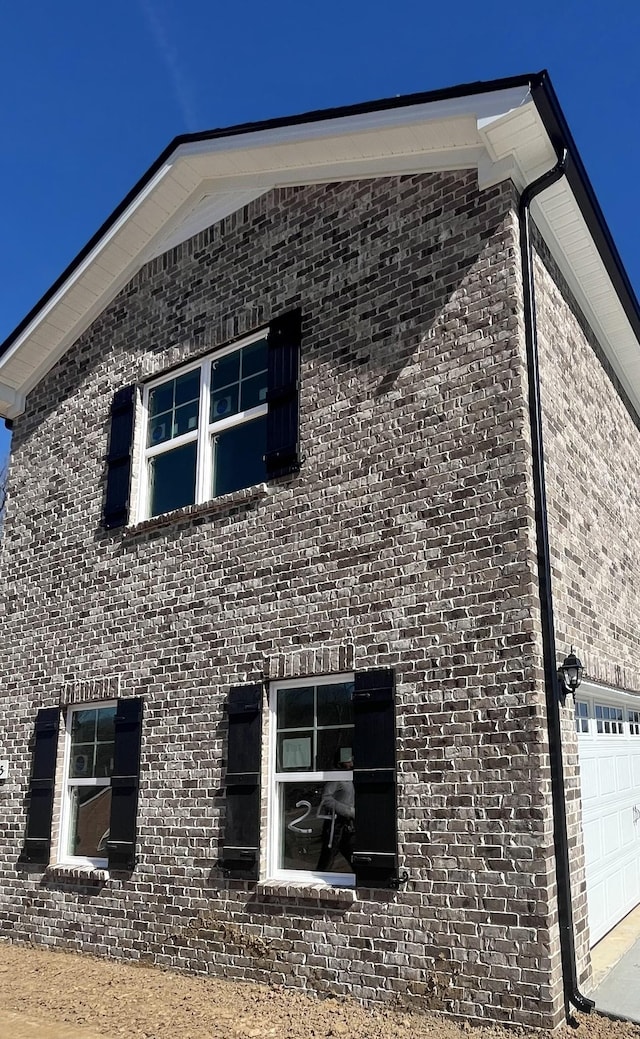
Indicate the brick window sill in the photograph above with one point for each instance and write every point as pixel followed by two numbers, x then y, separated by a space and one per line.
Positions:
pixel 301 891
pixel 226 503
pixel 67 871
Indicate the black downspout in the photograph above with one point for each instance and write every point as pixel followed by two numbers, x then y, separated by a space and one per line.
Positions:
pixel 563 880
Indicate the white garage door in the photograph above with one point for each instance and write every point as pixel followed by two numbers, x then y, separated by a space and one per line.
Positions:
pixel 608 726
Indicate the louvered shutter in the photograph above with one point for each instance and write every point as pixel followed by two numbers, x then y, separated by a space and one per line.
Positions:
pixel 375 856
pixel 116 506
pixel 283 392
pixel 121 845
pixel 37 841
pixel 240 853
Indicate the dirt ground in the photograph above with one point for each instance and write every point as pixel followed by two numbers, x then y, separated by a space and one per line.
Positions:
pixel 55 995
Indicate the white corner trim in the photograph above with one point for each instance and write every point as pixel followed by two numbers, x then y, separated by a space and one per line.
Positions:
pixel 12 401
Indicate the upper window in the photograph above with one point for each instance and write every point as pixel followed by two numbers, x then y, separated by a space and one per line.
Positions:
pixel 89 761
pixel 206 429
pixel 312 799
pixel 634 722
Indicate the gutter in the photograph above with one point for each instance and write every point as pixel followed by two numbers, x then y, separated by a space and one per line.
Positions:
pixel 572 994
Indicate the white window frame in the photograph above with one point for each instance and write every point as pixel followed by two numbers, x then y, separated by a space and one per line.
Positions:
pixel 104 781
pixel 633 717
pixel 610 721
pixel 582 718
pixel 275 872
pixel 204 433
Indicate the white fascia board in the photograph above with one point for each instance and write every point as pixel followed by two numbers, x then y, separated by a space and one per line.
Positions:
pixel 88 262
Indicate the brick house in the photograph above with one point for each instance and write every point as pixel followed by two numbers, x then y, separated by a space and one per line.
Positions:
pixel 286 579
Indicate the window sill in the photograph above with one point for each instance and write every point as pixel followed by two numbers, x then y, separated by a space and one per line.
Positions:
pixel 68 871
pixel 305 891
pixel 226 503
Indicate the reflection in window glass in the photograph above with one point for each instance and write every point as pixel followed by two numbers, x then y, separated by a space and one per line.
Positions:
pixel 238 457
pixel 90 811
pixel 317 826
pixel 172 479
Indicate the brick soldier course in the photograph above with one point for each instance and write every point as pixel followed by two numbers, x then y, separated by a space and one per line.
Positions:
pixel 405 542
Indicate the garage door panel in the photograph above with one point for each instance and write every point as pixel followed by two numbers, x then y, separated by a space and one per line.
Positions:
pixel 611 833
pixel 589 779
pixel 630 881
pixel 623 773
pixel 628 830
pixel 607 776
pixel 593 847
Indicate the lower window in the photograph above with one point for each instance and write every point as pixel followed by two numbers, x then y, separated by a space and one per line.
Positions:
pixel 89 762
pixel 312 813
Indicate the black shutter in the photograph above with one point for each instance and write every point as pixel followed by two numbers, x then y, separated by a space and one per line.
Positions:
pixel 283 393
pixel 116 506
pixel 37 840
pixel 375 856
pixel 240 852
pixel 121 845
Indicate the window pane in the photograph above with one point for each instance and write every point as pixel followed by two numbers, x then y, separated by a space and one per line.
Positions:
pixel 317 826
pixel 334 749
pixel 161 398
pixel 253 392
pixel 81 764
pixel 295 751
pixel 106 723
pixel 160 429
pixel 188 387
pixel 172 479
pixel 224 403
pixel 239 457
pixel 254 358
pixel 295 707
pixel 104 759
pixel 83 727
pixel 335 704
pixel 225 371
pixel 186 418
pixel 89 823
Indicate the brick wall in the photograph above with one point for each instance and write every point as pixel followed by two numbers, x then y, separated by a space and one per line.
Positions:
pixel 404 542
pixel 592 452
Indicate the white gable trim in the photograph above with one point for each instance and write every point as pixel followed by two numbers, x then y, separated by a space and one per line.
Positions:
pixel 498 133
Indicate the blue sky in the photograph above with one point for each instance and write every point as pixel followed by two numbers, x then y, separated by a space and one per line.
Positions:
pixel 92 93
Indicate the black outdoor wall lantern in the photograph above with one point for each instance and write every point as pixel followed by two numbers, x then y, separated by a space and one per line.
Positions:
pixel 570 675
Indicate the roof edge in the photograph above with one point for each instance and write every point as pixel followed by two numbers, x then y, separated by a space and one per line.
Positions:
pixel 546 101
pixel 534 81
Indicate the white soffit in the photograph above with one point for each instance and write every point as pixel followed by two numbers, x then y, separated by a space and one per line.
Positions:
pixel 565 231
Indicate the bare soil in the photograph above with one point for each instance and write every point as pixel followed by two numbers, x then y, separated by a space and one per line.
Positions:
pixel 56 995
